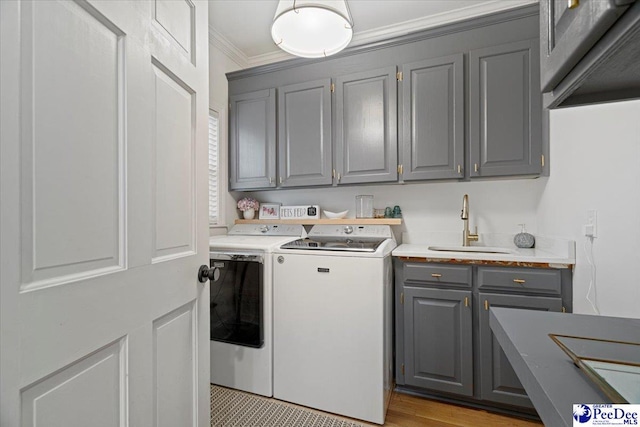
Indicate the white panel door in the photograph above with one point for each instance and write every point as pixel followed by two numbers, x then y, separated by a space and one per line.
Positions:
pixel 103 213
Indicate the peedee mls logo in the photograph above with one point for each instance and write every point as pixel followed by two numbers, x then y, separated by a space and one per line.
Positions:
pixel 605 415
pixel 581 413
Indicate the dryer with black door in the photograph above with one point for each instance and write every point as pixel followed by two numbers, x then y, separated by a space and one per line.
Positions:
pixel 241 305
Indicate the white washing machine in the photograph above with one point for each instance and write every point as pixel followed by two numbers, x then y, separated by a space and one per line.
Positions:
pixel 241 305
pixel 333 320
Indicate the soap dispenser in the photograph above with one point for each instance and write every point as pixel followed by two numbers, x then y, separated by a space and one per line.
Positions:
pixel 524 239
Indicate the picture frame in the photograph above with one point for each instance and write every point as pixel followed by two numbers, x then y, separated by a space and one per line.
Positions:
pixel 269 211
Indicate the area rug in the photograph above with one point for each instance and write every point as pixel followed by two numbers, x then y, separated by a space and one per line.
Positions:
pixel 236 408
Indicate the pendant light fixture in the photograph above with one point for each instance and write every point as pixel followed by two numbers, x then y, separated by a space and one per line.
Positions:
pixel 312 28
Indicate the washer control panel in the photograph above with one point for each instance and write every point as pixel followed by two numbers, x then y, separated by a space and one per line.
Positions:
pixel 328 230
pixel 267 230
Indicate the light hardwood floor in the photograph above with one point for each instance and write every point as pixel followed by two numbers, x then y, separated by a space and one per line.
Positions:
pixel 410 411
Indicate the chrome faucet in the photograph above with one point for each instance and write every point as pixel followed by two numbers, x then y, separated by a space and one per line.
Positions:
pixel 467 236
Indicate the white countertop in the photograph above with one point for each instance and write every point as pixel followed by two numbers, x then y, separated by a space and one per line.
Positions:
pixel 555 252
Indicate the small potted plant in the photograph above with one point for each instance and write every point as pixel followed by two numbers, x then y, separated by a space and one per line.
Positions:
pixel 248 207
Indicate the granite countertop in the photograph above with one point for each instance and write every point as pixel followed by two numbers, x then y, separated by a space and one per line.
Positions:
pixel 548 375
pixel 549 253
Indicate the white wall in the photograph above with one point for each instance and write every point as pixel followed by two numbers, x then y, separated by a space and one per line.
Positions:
pixel 595 159
pixel 495 206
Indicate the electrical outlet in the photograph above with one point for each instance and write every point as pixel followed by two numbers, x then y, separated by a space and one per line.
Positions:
pixel 591 227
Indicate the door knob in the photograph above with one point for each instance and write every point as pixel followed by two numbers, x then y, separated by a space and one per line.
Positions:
pixel 206 273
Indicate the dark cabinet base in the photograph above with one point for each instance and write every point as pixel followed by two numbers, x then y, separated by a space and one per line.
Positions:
pixel 445 348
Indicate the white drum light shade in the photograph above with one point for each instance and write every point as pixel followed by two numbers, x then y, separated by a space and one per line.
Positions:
pixel 312 28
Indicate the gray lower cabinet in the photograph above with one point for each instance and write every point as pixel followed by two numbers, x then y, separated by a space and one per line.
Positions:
pixel 252 140
pixel 366 127
pixel 444 344
pixel 304 134
pixel 505 110
pixel 438 339
pixel 432 119
pixel 499 382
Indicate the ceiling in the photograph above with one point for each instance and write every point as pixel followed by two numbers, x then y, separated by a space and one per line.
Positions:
pixel 243 27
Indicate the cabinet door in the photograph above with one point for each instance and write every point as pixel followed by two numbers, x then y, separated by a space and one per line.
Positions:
pixel 567 34
pixel 252 140
pixel 498 380
pixel 366 127
pixel 432 122
pixel 505 110
pixel 304 134
pixel 438 339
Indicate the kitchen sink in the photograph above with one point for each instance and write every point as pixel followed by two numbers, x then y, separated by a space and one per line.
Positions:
pixel 481 249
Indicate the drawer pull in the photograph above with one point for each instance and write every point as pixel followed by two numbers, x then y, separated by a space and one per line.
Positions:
pixel 466 301
pixel 486 305
pixel 518 281
pixel 436 275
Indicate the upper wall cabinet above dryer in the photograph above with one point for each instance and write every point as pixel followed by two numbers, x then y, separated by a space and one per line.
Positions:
pixel 304 134
pixel 252 153
pixel 589 51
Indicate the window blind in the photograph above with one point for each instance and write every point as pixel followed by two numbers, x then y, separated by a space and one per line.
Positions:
pixel 213 167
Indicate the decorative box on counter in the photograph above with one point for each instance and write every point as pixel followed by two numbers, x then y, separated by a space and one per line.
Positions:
pixel 300 212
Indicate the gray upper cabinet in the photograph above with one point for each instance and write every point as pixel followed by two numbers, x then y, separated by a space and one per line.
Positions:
pixel 366 127
pixel 304 134
pixel 505 110
pixel 252 140
pixel 498 380
pixel 432 119
pixel 571 32
pixel 468 106
pixel 589 51
pixel 438 339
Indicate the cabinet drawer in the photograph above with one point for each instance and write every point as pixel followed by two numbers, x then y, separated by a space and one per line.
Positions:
pixel 438 273
pixel 520 280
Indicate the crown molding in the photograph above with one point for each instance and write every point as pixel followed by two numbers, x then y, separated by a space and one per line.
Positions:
pixel 229 49
pixel 444 18
pixel 269 58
